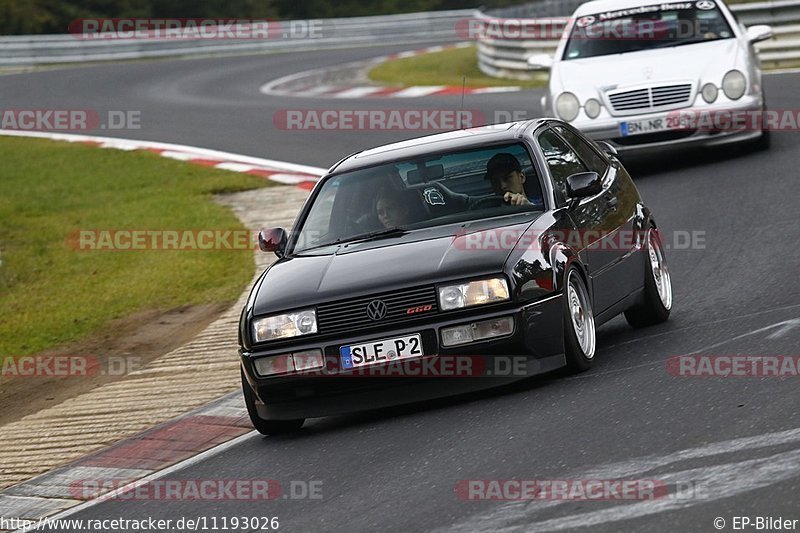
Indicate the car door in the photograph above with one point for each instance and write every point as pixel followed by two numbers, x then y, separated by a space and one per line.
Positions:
pixel 619 274
pixel 588 216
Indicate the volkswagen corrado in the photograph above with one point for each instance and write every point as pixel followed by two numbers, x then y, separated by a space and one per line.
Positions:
pixel 448 263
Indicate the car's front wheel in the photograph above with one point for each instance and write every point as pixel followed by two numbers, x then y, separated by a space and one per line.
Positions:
pixel 579 330
pixel 266 427
pixel 657 302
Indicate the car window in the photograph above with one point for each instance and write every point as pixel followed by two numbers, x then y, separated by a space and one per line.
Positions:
pixel 431 190
pixel 562 162
pixel 594 161
pixel 645 28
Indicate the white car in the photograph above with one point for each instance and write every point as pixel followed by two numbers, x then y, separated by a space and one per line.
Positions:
pixel 643 75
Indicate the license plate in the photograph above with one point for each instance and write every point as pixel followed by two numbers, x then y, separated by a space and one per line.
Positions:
pixel 672 121
pixel 639 127
pixel 382 351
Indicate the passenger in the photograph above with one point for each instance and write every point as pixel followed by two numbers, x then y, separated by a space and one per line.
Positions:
pixel 391 209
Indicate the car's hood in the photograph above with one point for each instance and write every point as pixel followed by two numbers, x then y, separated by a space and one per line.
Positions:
pixel 706 62
pixel 381 266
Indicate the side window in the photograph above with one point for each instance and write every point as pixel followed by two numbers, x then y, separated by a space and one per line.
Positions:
pixel 562 162
pixel 588 155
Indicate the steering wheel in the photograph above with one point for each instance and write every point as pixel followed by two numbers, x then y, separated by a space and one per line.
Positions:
pixel 487 202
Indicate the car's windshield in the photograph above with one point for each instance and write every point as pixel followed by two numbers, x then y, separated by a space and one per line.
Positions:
pixel 646 28
pixel 435 190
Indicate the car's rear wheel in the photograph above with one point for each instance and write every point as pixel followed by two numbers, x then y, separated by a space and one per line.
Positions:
pixel 657 302
pixel 266 427
pixel 579 330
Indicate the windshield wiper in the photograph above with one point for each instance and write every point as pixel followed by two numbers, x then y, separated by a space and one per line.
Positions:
pixel 373 235
pixel 670 44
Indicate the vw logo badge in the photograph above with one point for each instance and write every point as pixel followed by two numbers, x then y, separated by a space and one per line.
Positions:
pixel 376 309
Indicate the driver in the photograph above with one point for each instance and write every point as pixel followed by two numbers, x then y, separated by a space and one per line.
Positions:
pixel 505 173
pixel 390 208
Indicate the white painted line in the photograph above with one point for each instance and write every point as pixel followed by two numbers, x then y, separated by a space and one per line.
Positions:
pixel 318 90
pixel 157 475
pixel 234 167
pixel 417 91
pixel 434 49
pixel 205 153
pixel 289 179
pixel 408 53
pixel 730 478
pixel 180 156
pixel 357 92
pixel 490 90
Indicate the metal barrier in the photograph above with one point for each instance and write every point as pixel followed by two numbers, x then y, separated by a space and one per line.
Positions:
pixel 507 58
pixel 412 28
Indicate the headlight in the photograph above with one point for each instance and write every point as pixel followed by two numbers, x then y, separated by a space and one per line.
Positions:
pixel 284 326
pixel 734 84
pixel 567 107
pixel 485 291
pixel 592 108
pixel 710 93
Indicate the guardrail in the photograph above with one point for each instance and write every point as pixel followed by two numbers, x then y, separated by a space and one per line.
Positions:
pixel 507 58
pixel 413 28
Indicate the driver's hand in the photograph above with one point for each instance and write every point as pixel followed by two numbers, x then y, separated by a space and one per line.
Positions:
pixel 515 198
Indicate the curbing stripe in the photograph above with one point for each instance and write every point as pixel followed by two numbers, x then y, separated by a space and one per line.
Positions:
pixel 374 91
pixel 266 168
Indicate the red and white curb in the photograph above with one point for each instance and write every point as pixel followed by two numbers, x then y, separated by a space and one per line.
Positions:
pixel 149 455
pixel 281 172
pixel 303 84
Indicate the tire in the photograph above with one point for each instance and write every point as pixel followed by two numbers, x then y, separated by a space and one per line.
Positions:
pixel 579 329
pixel 657 303
pixel 266 427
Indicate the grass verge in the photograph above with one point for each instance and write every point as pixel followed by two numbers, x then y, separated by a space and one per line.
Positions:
pixel 51 293
pixel 447 67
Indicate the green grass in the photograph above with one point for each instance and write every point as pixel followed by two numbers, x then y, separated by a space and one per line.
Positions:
pixel 447 67
pixel 50 293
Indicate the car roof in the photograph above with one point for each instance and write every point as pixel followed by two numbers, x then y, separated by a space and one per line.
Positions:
pixel 601 6
pixel 440 142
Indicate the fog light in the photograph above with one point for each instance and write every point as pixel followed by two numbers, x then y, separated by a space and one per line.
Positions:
pixel 499 327
pixel 308 360
pixel 274 365
pixel 477 331
pixel 710 93
pixel 457 335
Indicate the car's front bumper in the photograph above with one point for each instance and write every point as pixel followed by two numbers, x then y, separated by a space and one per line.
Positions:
pixel 535 347
pixel 705 117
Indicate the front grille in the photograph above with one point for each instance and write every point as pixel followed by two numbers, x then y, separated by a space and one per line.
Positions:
pixel 651 98
pixel 352 313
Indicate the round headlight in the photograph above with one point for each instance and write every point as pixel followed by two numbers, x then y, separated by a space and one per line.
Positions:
pixel 710 93
pixel 734 84
pixel 567 107
pixel 592 108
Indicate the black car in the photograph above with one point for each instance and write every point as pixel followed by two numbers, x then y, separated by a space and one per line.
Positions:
pixel 448 263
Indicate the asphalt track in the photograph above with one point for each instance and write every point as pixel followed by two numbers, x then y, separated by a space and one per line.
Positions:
pixel 737 440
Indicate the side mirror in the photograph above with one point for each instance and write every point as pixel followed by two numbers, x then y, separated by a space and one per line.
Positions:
pixel 584 185
pixel 272 240
pixel 607 148
pixel 761 32
pixel 540 61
